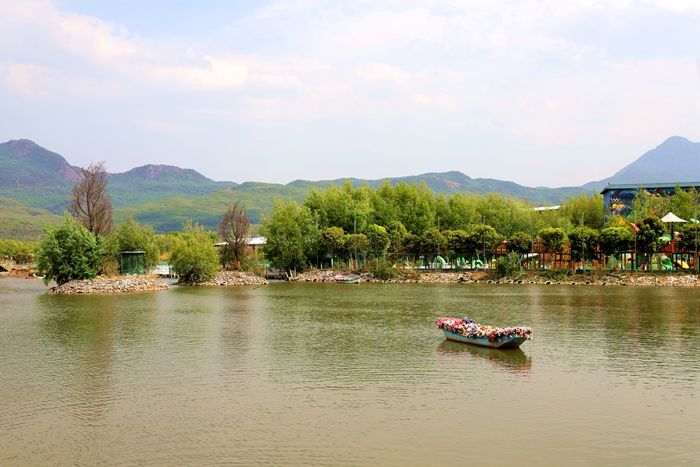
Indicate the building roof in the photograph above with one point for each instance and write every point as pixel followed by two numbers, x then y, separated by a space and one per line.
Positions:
pixel 257 241
pixel 546 208
pixel 251 241
pixel 651 186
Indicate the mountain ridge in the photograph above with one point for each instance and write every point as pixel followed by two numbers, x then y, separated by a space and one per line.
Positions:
pixel 163 194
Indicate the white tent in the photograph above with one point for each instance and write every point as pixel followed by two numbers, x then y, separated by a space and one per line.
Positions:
pixel 671 217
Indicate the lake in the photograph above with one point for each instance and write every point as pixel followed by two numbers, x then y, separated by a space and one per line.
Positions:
pixel 342 375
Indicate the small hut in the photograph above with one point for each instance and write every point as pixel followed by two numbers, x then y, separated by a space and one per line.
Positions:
pixel 132 262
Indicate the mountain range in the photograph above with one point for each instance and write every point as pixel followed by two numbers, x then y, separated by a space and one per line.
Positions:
pixel 35 186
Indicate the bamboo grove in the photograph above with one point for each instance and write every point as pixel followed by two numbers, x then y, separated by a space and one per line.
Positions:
pixel 346 225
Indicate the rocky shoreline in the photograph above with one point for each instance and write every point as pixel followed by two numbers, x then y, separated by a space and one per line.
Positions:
pixel 230 278
pixel 483 277
pixel 110 285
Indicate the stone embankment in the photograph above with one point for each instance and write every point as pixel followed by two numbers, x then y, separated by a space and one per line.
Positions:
pixel 324 275
pixel 483 277
pixel 225 278
pixel 110 285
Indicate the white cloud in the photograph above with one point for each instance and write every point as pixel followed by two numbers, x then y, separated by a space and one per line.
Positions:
pixel 486 67
pixel 218 74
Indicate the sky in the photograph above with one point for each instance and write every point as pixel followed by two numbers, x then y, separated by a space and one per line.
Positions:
pixel 542 93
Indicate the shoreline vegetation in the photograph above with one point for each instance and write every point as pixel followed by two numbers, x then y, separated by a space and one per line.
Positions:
pixel 485 277
pixel 400 234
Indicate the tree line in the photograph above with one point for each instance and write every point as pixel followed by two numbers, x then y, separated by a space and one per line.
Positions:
pixel 346 224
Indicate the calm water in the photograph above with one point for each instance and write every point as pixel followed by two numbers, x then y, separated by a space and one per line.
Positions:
pixel 293 374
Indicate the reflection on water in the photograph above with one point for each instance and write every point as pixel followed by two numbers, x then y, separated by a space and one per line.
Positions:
pixel 322 374
pixel 509 359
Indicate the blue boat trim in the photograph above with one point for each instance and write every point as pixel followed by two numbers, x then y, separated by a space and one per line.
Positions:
pixel 504 342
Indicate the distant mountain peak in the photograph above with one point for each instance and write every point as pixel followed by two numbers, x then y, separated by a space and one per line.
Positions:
pixel 676 140
pixel 158 171
pixel 676 160
pixel 22 147
pixel 675 147
pixel 23 163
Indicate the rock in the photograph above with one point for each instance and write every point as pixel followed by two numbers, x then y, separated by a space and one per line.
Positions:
pixel 226 278
pixel 110 285
pixel 480 277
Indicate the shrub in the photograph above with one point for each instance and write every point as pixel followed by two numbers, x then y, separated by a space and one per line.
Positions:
pixel 507 265
pixel 195 258
pixel 21 252
pixel 385 270
pixel 132 236
pixel 68 252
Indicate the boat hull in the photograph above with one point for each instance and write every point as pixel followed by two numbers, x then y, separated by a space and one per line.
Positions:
pixel 498 343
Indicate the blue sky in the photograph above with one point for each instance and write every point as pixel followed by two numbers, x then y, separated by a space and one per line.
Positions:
pixel 548 93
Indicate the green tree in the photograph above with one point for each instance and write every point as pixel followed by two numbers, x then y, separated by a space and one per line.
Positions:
pixel 292 236
pixel 690 237
pixel 397 233
pixel 684 203
pixel 483 238
pixel 133 236
pixel 346 207
pixel 68 252
pixel 414 207
pixel 552 239
pixel 433 242
pixel 357 245
pixel 520 243
pixel 583 243
pixel 166 243
pixel 457 242
pixel 505 214
pixel 195 258
pixel 614 239
pixel 650 231
pixel 646 205
pixel 462 212
pixel 586 210
pixel 411 245
pixel 379 240
pixel 332 241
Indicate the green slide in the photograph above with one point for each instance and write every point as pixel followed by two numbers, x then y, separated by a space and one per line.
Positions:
pixel 665 261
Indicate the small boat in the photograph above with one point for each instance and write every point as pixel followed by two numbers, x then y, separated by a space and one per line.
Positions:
pixel 468 331
pixel 354 279
pixel 505 342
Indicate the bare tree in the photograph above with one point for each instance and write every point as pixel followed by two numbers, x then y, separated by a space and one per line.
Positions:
pixel 234 230
pixel 90 203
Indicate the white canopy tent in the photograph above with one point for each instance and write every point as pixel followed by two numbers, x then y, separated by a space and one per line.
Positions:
pixel 672 218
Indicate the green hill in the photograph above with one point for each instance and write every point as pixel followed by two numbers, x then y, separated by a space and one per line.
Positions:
pixel 457 182
pixel 157 182
pixel 34 176
pixel 40 182
pixel 22 222
pixel 207 209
